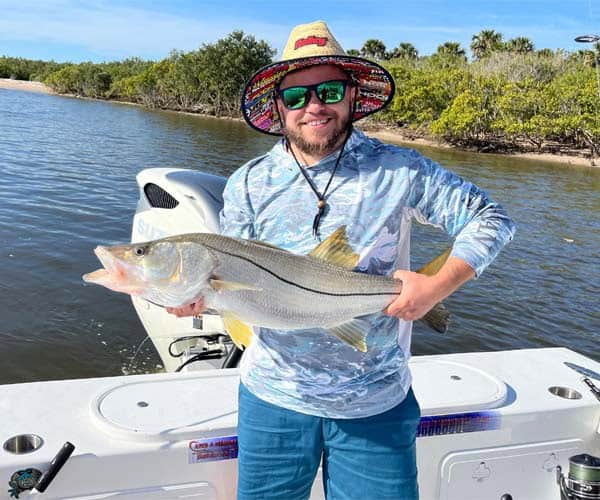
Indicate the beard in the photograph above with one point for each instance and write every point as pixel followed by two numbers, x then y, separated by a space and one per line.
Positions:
pixel 324 146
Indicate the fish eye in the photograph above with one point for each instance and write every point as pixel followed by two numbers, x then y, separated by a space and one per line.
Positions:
pixel 139 251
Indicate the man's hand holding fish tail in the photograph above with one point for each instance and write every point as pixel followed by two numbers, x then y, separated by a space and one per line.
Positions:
pixel 420 293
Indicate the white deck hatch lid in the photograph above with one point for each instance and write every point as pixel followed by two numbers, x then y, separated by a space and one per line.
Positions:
pixel 447 387
pixel 170 409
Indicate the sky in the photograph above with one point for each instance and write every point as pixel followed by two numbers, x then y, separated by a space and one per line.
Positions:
pixel 110 30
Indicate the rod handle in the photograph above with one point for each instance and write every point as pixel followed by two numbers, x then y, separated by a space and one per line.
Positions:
pixel 57 462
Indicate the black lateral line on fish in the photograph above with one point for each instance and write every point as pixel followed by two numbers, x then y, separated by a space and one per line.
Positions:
pixel 366 294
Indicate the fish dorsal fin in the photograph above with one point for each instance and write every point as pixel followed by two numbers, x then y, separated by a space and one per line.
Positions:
pixel 353 333
pixel 436 264
pixel 336 250
pixel 240 332
pixel 231 286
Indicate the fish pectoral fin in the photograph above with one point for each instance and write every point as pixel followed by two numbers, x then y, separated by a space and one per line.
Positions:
pixel 436 264
pixel 336 250
pixel 241 333
pixel 352 333
pixel 437 318
pixel 231 286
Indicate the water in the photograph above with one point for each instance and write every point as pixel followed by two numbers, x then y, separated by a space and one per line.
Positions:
pixel 67 183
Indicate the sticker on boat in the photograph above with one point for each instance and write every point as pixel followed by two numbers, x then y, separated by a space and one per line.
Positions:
pixel 213 449
pixel 458 423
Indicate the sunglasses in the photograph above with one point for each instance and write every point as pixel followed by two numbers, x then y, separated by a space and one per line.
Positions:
pixel 330 92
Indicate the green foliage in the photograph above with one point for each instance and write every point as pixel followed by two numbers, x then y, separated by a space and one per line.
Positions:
pixel 208 80
pixel 373 49
pixel 519 45
pixel 544 100
pixel 227 65
pixel 470 115
pixel 404 50
pixel 26 69
pixel 586 57
pixel 451 50
pixel 545 53
pixel 423 91
pixel 449 55
pixel 85 79
pixel 519 67
pixel 485 43
pixel 509 96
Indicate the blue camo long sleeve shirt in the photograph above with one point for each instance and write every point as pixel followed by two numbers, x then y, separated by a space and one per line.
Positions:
pixel 376 192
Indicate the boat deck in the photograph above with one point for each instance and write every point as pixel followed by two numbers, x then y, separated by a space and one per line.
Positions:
pixel 491 425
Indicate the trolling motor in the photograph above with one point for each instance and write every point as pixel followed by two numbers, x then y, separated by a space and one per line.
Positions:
pixel 583 480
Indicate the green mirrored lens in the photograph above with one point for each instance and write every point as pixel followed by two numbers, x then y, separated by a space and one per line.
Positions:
pixel 328 93
pixel 331 92
pixel 294 97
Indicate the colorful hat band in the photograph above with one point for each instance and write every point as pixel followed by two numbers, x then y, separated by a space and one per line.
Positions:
pixel 375 88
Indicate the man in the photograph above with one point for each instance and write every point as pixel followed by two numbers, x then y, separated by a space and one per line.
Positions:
pixel 306 396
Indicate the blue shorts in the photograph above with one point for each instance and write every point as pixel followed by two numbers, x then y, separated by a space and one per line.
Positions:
pixel 363 458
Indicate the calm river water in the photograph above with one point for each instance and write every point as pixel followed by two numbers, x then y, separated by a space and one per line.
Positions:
pixel 67 183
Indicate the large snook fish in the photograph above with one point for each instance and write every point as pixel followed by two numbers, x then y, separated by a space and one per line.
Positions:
pixel 253 283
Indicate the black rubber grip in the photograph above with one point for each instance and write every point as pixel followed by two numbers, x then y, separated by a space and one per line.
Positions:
pixel 57 462
pixel 233 358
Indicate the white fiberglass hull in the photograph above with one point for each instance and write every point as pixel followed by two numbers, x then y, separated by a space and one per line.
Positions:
pixel 490 427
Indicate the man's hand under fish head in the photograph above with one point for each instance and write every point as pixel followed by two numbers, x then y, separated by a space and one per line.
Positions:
pixel 193 309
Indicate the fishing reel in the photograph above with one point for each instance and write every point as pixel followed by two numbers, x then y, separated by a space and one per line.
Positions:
pixel 583 480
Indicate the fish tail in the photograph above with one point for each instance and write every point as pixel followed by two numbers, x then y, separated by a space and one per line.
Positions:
pixel 437 318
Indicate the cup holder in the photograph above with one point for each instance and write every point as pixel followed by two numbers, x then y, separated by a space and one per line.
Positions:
pixel 23 443
pixel 565 392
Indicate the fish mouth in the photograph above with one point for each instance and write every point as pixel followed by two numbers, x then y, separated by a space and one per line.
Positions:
pixel 115 275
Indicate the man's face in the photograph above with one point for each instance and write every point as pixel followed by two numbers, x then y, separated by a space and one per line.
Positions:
pixel 317 129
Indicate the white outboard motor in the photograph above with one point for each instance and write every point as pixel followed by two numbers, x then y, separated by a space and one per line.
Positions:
pixel 178 201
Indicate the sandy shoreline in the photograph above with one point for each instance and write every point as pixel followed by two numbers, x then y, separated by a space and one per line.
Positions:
pixel 384 135
pixel 390 135
pixel 7 83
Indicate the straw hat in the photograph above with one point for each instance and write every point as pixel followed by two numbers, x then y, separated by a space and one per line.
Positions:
pixel 312 45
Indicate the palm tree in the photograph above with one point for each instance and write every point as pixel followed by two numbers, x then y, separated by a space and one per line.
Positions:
pixel 485 42
pixel 545 52
pixel 519 45
pixel 451 49
pixel 353 52
pixel 373 49
pixel 405 50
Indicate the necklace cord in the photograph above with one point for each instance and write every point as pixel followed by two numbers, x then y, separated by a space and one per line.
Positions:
pixel 321 197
